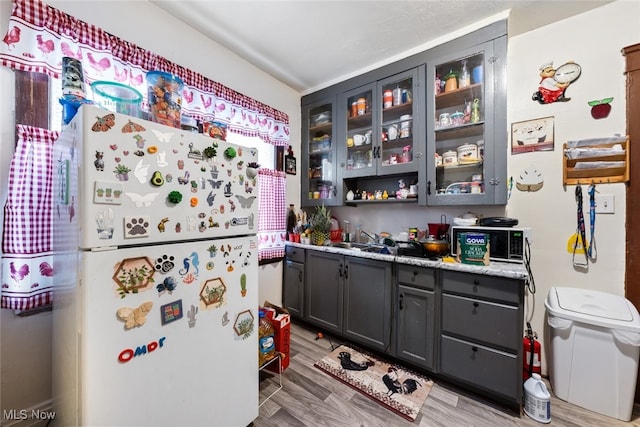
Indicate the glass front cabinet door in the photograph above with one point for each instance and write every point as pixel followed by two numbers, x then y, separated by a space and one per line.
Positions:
pixel 401 101
pixel 466 142
pixel 356 120
pixel 379 128
pixel 319 155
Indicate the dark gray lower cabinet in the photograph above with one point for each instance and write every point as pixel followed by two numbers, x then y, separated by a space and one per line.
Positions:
pixel 367 302
pixel 481 333
pixel 293 281
pixel 323 297
pixel 467 327
pixel 415 307
pixel 350 296
pixel 293 292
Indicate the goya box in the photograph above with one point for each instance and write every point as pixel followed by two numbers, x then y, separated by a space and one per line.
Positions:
pixel 473 248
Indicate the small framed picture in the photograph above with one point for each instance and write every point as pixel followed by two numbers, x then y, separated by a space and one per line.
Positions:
pixel 532 135
pixel 290 164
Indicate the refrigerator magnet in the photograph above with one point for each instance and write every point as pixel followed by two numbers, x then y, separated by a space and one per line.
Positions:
pixel 133 275
pixel 243 326
pixel 212 293
pixel 165 263
pixel 163 136
pixel 191 315
pixel 169 284
pixel 133 317
pixel 243 285
pixel 171 312
pixel 136 226
pixel 225 318
pixel 107 193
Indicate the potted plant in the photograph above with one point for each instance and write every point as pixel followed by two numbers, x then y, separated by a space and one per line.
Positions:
pixel 320 223
pixel 243 285
pixel 122 172
pixel 210 152
pixel 213 249
pixel 252 169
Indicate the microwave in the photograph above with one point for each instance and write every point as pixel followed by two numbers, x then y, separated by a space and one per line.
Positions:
pixel 506 244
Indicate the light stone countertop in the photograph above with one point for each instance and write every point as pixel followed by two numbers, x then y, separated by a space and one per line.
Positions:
pixel 500 269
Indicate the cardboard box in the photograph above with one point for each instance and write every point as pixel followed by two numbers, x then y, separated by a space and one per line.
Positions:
pixel 281 321
pixel 474 248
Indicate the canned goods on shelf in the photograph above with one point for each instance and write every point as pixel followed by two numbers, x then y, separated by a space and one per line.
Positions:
pixel 387 98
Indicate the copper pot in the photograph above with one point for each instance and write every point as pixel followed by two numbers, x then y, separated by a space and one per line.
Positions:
pixel 434 247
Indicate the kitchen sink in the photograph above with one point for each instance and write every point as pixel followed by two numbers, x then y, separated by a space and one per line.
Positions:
pixel 363 247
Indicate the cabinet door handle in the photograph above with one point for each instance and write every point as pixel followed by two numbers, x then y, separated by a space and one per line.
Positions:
pixel 300 276
pixel 340 270
pixel 415 272
pixel 400 301
pixel 346 272
pixel 476 282
pixel 475 304
pixel 429 188
pixel 474 348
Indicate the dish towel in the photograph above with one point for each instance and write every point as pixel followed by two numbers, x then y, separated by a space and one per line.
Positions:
pixel 27 273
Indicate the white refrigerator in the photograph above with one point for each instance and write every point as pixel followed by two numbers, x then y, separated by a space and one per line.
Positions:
pixel 156 276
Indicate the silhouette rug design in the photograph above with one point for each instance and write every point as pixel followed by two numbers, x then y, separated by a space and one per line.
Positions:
pixel 398 389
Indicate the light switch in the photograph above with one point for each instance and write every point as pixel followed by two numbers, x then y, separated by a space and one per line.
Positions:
pixel 605 203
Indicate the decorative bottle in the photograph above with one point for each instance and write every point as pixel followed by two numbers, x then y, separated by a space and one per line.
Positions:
pixel 465 77
pixel 291 220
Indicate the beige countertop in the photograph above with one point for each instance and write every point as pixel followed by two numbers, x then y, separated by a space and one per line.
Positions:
pixel 501 269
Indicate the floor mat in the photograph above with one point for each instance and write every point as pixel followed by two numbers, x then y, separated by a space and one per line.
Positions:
pixel 391 385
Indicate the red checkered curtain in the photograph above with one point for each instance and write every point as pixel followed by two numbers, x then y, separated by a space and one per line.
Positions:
pixel 39 36
pixel 26 238
pixel 272 214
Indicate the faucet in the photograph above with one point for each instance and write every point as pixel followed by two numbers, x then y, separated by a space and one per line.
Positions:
pixel 372 239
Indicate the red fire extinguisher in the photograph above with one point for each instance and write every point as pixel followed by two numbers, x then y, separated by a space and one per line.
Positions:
pixel 531 362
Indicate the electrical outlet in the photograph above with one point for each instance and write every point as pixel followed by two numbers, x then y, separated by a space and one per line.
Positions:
pixel 605 203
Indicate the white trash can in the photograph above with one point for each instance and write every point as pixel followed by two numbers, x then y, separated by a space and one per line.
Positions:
pixel 594 349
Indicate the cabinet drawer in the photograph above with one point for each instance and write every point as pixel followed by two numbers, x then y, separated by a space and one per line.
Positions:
pixel 486 322
pixel 294 254
pixel 483 286
pixel 419 277
pixel 482 367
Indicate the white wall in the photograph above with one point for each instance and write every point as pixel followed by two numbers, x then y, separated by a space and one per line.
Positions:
pixel 591 41
pixel 25 342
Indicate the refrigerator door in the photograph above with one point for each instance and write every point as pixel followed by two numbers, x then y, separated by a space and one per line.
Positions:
pixel 141 182
pixel 159 336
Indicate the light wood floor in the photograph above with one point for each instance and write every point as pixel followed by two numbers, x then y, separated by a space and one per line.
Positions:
pixel 312 398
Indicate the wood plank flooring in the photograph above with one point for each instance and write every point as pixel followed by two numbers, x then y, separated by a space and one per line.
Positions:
pixel 312 398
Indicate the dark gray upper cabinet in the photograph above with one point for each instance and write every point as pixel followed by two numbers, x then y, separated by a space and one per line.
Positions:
pixel 373 141
pixel 319 177
pixel 382 138
pixel 466 123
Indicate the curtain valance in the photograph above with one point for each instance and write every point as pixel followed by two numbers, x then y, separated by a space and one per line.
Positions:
pixel 39 36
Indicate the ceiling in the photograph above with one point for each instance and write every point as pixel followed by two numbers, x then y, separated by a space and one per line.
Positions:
pixel 311 44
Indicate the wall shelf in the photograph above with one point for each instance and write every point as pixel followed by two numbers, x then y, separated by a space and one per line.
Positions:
pixel 587 168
